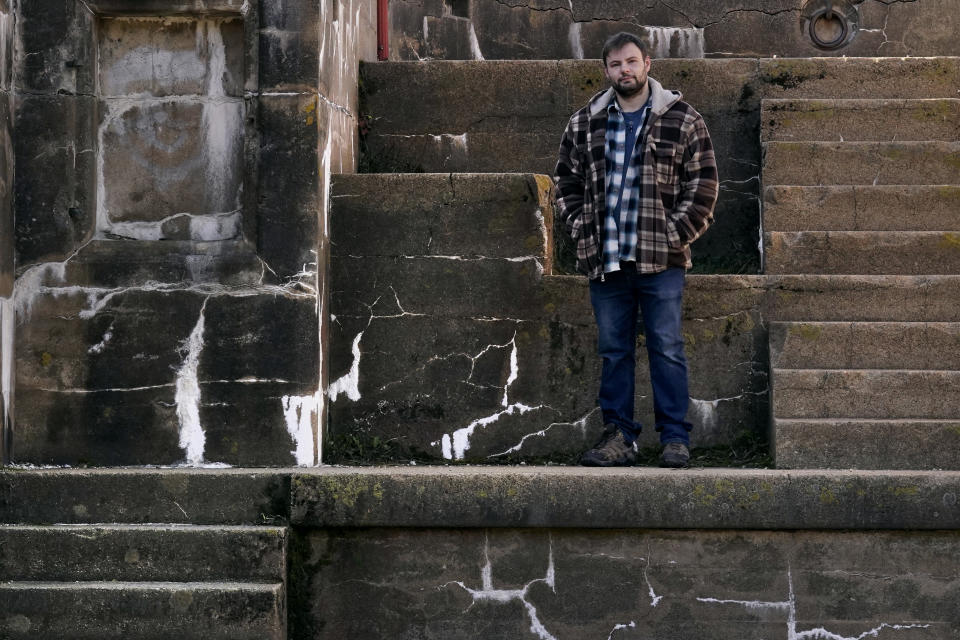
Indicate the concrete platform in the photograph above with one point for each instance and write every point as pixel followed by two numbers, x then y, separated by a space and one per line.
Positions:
pixel 570 497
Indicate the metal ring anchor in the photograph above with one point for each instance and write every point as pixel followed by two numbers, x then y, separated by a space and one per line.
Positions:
pixel 827 13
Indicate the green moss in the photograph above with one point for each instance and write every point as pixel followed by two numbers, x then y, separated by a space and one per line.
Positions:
pixel 950 241
pixel 806 331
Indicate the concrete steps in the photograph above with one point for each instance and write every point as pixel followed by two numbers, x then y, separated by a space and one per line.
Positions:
pixel 142 553
pixel 863 252
pixel 508 535
pixel 861 208
pixel 864 189
pixel 860 120
pixel 865 345
pixel 94 610
pixel 108 575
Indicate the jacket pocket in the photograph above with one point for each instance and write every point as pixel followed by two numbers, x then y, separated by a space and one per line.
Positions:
pixel 664 158
pixel 673 237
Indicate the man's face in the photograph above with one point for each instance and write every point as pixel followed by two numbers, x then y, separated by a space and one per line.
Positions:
pixel 626 69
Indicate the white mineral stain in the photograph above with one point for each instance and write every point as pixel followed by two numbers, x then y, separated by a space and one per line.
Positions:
pixel 619 627
pixel 789 606
pixel 187 398
pixel 487 592
pixel 688 42
pixel 7 346
pixel 222 118
pixel 349 383
pixel 474 44
pixel 300 413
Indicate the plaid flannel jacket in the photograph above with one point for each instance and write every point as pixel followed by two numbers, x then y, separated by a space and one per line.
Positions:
pixel 678 182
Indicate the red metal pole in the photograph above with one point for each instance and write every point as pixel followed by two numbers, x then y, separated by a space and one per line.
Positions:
pixel 383 31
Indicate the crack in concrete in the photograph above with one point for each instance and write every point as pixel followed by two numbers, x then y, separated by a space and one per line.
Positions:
pixel 581 423
pixel 488 593
pixel 789 606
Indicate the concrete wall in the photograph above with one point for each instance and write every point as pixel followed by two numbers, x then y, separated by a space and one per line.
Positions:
pixel 559 29
pixel 186 233
pixel 626 584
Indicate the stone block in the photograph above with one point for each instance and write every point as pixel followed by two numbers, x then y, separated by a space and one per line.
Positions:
pixel 861 163
pixel 292 132
pixel 55 136
pixel 141 553
pixel 862 252
pixel 863 298
pixel 165 159
pixel 91 610
pixel 861 208
pixel 848 78
pixel 290 42
pixel 865 393
pixel 860 120
pixel 59 35
pixel 185 56
pixel 468 216
pixel 138 496
pixel 865 345
pixel 866 444
pixel 146 376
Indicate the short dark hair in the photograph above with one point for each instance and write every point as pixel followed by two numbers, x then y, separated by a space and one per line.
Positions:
pixel 620 40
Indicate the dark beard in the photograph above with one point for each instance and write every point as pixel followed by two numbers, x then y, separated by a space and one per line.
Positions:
pixel 628 92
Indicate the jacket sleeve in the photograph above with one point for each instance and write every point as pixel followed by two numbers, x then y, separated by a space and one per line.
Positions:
pixel 570 180
pixel 699 184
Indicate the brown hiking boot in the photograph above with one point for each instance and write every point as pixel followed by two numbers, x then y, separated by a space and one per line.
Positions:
pixel 675 456
pixel 611 451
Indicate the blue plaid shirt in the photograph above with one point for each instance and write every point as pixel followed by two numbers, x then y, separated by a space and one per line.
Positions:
pixel 623 188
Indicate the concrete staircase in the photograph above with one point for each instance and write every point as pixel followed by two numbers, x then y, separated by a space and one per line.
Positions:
pixel 865 188
pixel 130 579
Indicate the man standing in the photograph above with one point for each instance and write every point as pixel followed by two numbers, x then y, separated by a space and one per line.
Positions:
pixel 637 182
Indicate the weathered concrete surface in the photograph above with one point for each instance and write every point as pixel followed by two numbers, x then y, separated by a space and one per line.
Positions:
pixel 565 497
pixel 862 252
pixel 551 29
pixel 866 444
pixel 861 208
pixel 438 119
pixel 498 360
pixel 860 120
pixel 861 163
pixel 865 345
pixel 189 496
pixel 94 610
pixel 864 298
pixel 142 553
pixel 165 374
pixel 446 583
pixel 865 393
pixel 222 150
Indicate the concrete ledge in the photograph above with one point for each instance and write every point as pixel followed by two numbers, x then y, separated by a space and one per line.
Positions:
pixel 563 497
pixel 194 496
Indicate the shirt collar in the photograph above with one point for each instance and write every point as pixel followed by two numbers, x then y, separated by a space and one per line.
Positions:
pixel 614 105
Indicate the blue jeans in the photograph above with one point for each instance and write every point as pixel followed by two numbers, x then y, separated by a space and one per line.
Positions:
pixel 659 297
